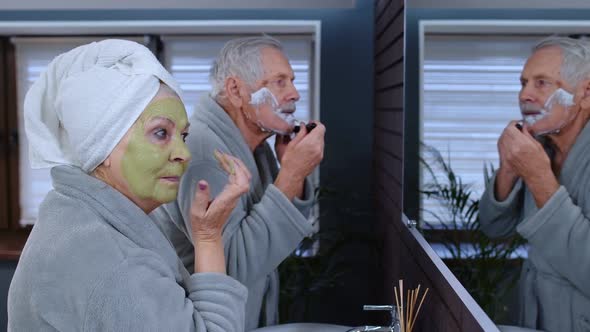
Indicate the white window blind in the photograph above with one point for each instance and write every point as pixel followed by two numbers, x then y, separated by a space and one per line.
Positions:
pixel 32 57
pixel 470 93
pixel 189 58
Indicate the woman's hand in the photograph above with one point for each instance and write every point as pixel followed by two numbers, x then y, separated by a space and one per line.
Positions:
pixel 208 217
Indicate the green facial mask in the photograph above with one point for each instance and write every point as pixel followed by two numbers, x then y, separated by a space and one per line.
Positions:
pixel 153 145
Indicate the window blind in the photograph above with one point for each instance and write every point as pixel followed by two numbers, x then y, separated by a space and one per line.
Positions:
pixel 33 54
pixel 188 58
pixel 470 93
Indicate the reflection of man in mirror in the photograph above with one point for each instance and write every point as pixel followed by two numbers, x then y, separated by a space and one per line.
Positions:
pixel 253 97
pixel 542 187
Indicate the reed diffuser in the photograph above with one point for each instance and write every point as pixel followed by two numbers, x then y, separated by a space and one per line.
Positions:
pixel 407 310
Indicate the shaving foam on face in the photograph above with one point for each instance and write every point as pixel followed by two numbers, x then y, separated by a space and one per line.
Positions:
pixel 531 119
pixel 558 99
pixel 265 98
pixel 262 97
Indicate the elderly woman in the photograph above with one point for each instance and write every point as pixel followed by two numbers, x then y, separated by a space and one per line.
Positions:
pixel 108 120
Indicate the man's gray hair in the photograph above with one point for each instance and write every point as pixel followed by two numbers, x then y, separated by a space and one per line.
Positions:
pixel 575 53
pixel 242 58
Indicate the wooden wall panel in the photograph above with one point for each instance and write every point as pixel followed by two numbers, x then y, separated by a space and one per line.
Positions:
pixel 392 76
pixel 403 256
pixel 388 135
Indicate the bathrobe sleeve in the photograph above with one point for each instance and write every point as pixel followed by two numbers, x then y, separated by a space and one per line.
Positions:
pixel 303 204
pixel 499 219
pixel 256 240
pixel 140 294
pixel 560 232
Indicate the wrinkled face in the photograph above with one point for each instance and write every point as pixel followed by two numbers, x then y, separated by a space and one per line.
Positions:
pixel 540 80
pixel 278 78
pixel 150 159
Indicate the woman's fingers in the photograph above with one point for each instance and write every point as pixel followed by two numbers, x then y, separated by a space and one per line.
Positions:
pixel 210 217
pixel 200 201
pixel 242 171
pixel 231 164
pixel 243 167
pixel 224 161
pixel 238 183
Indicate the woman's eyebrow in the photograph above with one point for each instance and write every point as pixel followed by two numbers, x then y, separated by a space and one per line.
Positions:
pixel 162 118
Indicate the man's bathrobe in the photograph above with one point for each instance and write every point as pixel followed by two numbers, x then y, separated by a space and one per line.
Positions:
pixel 555 279
pixel 95 261
pixel 264 228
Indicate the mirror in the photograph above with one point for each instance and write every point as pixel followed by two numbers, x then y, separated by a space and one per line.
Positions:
pixel 469 81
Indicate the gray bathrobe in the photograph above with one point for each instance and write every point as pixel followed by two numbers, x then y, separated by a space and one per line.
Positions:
pixel 263 229
pixel 96 262
pixel 555 280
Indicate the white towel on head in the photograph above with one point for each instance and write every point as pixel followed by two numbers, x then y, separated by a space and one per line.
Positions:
pixel 89 97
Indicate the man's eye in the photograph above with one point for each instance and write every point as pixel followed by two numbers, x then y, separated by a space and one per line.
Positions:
pixel 161 134
pixel 543 83
pixel 281 83
pixel 184 136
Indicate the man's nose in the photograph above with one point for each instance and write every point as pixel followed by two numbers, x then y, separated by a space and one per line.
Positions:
pixel 527 94
pixel 292 94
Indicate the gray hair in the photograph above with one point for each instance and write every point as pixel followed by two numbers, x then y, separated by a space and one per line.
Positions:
pixel 575 53
pixel 240 57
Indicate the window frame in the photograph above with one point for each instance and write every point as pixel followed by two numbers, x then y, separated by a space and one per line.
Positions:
pixel 12 235
pixel 4 138
pixel 542 28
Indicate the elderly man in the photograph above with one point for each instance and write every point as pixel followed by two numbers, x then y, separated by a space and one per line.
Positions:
pixel 542 187
pixel 253 97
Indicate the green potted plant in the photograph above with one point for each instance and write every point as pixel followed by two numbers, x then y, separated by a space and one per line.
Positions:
pixel 318 266
pixel 487 268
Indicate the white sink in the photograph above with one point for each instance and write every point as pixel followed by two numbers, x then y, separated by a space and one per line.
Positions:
pixel 303 327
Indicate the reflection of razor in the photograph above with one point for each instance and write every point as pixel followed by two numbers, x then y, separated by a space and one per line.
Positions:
pixel 308 126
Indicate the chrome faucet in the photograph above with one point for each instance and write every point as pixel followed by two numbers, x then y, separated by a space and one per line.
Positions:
pixel 393 326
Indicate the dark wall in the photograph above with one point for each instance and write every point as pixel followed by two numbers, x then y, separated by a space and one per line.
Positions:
pixel 6 272
pixel 345 108
pixel 412 121
pixel 389 132
pixel 402 256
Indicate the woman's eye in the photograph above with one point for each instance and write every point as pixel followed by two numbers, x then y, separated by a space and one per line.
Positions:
pixel 161 134
pixel 184 135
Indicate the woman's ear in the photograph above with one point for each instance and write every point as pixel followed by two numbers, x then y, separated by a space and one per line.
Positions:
pixel 233 92
pixel 107 162
pixel 100 172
